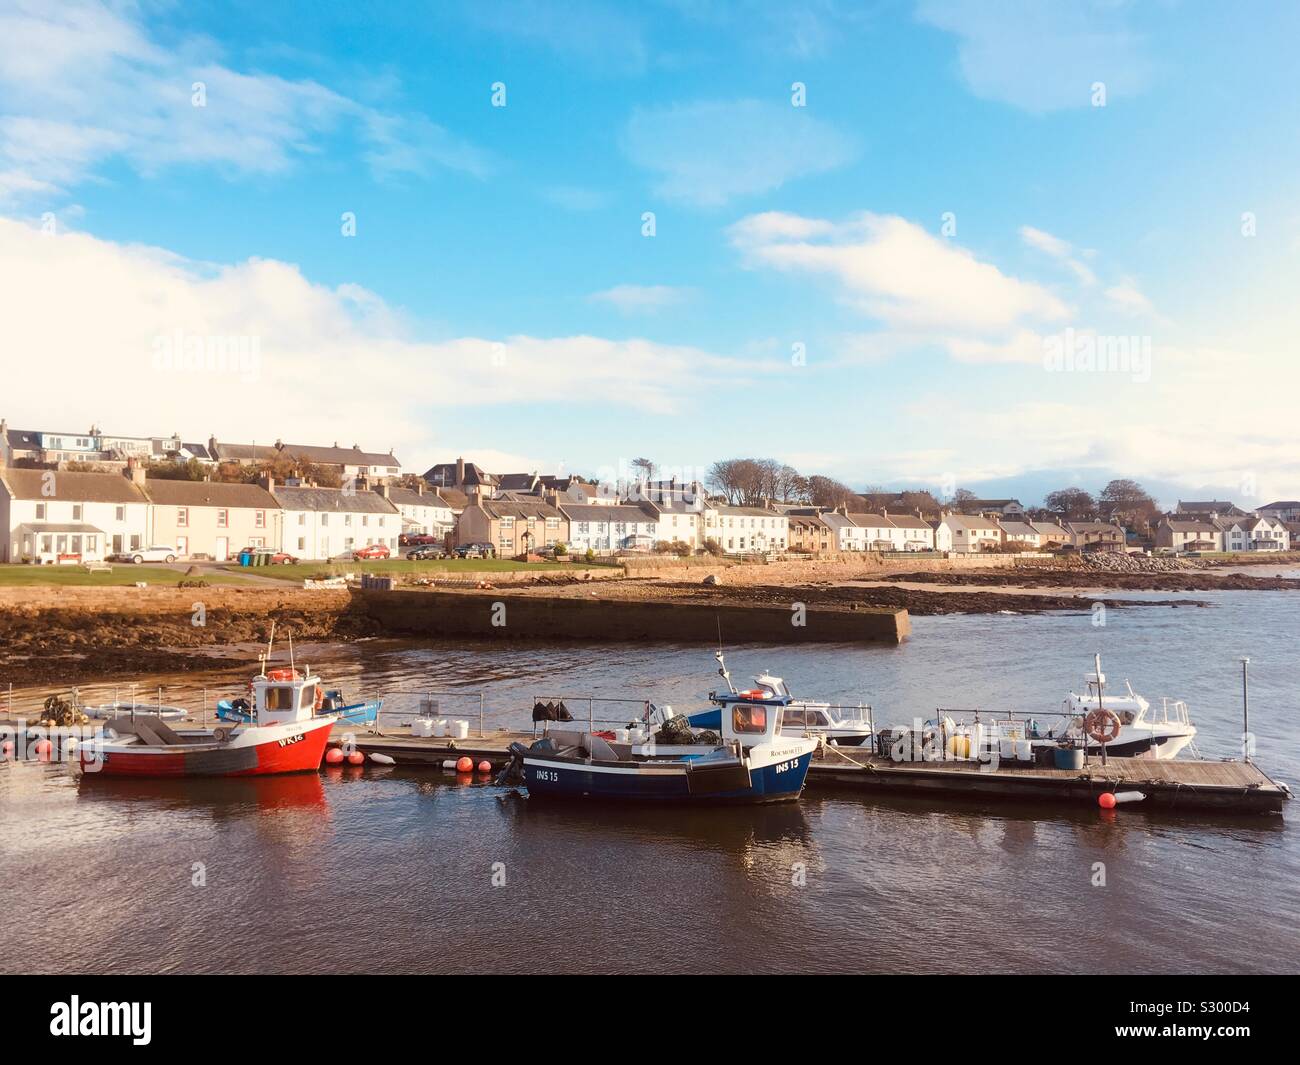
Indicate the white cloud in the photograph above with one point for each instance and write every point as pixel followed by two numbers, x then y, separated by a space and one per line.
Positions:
pixel 641 299
pixel 91 327
pixel 1127 297
pixel 1060 250
pixel 894 271
pixel 81 83
pixel 1043 55
pixel 710 152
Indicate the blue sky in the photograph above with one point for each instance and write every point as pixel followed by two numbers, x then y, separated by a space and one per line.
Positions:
pixel 962 187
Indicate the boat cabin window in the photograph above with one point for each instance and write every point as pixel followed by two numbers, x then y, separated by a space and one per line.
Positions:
pixel 747 718
pixel 279 698
pixel 308 696
pixel 792 717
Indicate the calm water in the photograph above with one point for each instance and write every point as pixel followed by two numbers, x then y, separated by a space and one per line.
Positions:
pixel 392 870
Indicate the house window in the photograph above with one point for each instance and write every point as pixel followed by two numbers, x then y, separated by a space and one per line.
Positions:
pixel 324 519
pixel 121 514
pixel 259 519
pixel 182 516
pixel 347 519
pixel 40 511
pixel 302 543
pixel 76 511
pixel 223 519
pixel 302 519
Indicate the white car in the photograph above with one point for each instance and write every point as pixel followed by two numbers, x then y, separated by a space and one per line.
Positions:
pixel 154 553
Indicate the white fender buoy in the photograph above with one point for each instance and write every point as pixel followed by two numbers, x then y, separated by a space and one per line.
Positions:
pixel 1129 796
pixel 382 759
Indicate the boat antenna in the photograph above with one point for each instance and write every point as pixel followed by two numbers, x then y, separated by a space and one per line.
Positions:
pixel 722 670
pixel 290 650
pixel 269 641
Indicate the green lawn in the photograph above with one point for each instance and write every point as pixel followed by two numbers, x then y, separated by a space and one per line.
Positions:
pixel 20 576
pixel 401 567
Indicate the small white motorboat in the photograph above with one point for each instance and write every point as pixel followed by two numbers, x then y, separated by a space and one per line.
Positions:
pixel 1127 724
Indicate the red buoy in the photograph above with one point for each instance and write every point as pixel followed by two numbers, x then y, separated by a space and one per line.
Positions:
pixel 464 764
pixel 356 758
pixel 485 766
pixel 1106 800
pixel 334 756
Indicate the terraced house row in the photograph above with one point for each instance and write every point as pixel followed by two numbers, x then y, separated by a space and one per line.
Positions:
pixel 52 516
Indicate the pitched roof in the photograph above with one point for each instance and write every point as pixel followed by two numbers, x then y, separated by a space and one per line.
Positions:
pixel 971 522
pixel 1190 525
pixel 907 521
pixel 1018 528
pixel 517 482
pixel 607 512
pixel 519 508
pixel 199 451
pixel 23 439
pixel 332 500
pixel 209 494
pixel 453 497
pixel 339 456
pixel 870 521
pixel 747 512
pixel 240 452
pixel 444 473
pixel 409 497
pixel 72 487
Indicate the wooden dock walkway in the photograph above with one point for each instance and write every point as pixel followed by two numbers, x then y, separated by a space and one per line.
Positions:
pixel 1172 786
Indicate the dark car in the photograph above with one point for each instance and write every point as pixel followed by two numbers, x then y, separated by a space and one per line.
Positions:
pixel 476 550
pixel 428 551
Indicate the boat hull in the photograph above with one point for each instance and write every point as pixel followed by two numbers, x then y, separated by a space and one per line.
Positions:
pixel 253 752
pixel 548 778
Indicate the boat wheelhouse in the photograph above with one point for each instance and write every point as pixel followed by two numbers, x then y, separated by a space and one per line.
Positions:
pixel 844 726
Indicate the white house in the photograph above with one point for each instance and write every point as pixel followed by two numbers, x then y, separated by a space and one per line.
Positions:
pixel 848 536
pixel 967 533
pixel 914 532
pixel 746 530
pixel 879 533
pixel 422 509
pixel 324 522
pixel 607 529
pixel 1189 534
pixel 1021 533
pixel 50 516
pixel 679 521
pixel 1254 532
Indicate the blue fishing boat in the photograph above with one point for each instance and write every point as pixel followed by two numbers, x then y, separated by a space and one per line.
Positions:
pixel 748 760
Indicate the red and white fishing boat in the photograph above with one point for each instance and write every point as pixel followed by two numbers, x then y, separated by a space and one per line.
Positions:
pixel 285 735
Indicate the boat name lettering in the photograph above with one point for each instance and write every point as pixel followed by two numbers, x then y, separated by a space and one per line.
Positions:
pixel 290 740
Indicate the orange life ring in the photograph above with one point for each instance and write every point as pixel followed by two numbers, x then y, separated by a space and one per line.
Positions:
pixel 320 697
pixel 282 674
pixel 1102 725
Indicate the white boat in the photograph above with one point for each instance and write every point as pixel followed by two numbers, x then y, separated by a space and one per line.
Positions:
pixel 1132 729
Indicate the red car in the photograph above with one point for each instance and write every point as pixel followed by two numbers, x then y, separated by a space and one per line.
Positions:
pixel 371 551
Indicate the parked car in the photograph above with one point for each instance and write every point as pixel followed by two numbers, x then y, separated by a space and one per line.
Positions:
pixel 476 550
pixel 428 551
pixel 153 553
pixel 371 551
pixel 270 556
pixel 422 539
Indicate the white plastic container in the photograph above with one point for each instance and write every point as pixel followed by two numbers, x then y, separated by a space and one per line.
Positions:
pixel 440 727
pixel 1007 749
pixel 1024 751
pixel 460 729
pixel 636 735
pixel 422 726
pixel 622 734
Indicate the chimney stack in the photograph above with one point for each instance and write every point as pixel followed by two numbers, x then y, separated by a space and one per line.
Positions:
pixel 460 474
pixel 134 472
